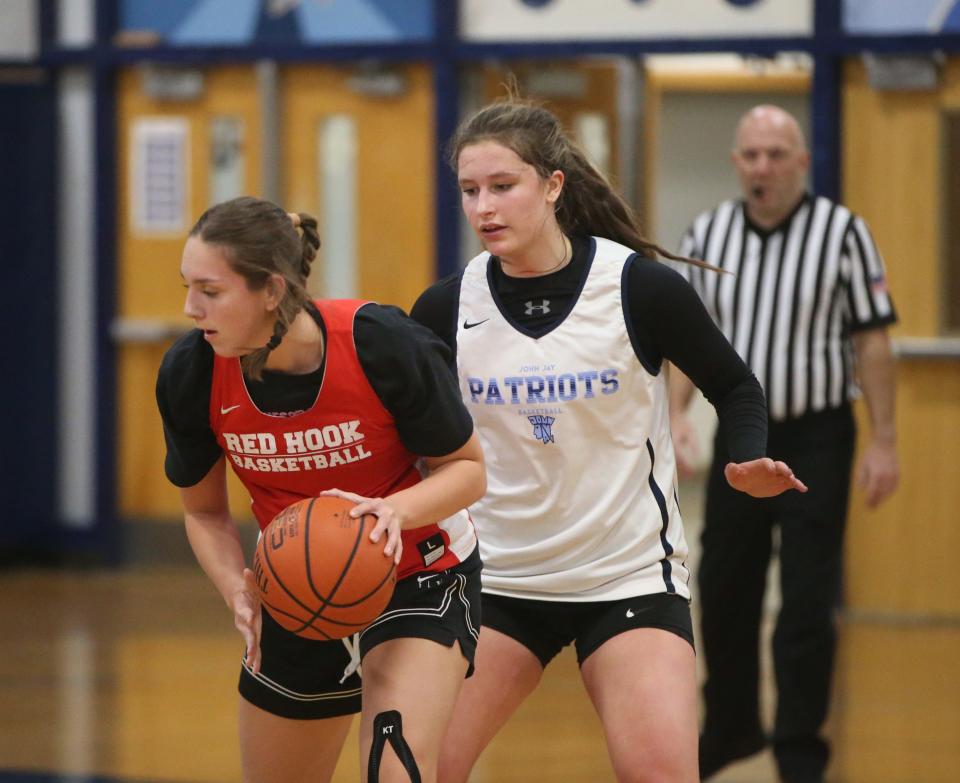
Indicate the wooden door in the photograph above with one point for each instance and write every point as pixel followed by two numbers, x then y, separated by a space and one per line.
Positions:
pixel 171 167
pixel 357 152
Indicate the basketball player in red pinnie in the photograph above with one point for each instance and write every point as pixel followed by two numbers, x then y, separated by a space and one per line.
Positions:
pixel 302 398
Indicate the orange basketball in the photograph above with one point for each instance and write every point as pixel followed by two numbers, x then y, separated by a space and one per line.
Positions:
pixel 319 574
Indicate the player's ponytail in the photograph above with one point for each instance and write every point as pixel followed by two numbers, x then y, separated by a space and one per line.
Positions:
pixel 260 240
pixel 309 241
pixel 588 204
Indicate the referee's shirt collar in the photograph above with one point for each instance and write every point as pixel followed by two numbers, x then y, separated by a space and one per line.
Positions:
pixel 763 233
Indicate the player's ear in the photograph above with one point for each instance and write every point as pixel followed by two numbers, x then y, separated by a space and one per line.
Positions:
pixel 555 186
pixel 275 289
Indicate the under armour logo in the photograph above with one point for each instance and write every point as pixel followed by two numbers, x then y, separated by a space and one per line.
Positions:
pixel 543 308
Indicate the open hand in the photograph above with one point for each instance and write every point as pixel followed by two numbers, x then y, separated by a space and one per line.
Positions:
pixel 762 478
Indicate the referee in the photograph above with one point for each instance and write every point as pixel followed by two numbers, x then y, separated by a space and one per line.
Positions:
pixel 807 308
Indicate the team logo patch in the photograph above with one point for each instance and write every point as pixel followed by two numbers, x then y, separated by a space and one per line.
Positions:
pixel 542 427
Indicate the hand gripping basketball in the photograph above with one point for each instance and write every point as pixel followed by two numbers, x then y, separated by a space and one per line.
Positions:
pixel 386 519
pixel 318 573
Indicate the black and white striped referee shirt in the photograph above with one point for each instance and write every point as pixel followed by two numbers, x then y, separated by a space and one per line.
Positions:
pixel 796 294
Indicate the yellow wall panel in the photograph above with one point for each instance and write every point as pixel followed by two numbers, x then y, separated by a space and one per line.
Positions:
pixel 901 557
pixel 395 177
pixel 891 161
pixel 897 716
pixel 149 285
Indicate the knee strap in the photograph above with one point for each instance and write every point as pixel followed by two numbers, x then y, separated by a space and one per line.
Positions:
pixel 388 727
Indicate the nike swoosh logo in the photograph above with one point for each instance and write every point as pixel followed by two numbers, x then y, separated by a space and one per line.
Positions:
pixel 467 325
pixel 224 411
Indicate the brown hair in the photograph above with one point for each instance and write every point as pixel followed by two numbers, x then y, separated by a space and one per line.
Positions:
pixel 259 239
pixel 588 204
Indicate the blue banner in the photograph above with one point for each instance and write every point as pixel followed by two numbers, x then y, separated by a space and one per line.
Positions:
pixel 302 22
pixel 886 17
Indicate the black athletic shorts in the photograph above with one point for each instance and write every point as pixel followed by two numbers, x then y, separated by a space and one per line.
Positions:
pixel 306 679
pixel 546 627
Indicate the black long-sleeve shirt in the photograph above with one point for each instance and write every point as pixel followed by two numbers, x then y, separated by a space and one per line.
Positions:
pixel 668 319
pixel 405 364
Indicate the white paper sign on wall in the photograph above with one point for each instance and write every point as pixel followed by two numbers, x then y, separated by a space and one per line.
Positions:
pixel 159 175
pixel 539 20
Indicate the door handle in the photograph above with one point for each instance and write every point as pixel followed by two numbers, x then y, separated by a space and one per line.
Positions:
pixel 146 331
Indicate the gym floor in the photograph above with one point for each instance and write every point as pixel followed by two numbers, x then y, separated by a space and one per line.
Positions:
pixel 130 675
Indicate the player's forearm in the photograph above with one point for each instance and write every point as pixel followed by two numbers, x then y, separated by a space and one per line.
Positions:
pixel 216 544
pixel 448 489
pixel 454 482
pixel 876 374
pixel 742 415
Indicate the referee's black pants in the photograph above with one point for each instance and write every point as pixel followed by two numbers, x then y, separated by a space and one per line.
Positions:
pixel 736 552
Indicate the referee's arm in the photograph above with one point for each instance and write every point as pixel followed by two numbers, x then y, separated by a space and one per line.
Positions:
pixel 871 313
pixel 878 472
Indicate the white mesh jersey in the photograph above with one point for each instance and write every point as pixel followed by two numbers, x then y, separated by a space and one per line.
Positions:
pixel 581 500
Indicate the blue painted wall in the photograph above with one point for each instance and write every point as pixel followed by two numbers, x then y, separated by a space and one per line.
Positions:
pixel 28 318
pixel 249 22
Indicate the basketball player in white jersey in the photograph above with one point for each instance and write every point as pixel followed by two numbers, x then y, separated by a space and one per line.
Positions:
pixel 560 330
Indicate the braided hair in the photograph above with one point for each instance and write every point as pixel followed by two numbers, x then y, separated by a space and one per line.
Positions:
pixel 259 239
